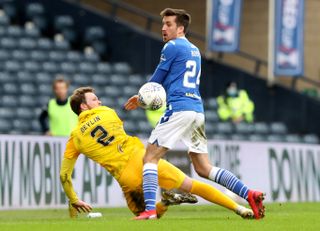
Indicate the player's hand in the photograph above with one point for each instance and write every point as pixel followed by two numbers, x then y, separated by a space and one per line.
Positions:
pixel 82 206
pixel 132 103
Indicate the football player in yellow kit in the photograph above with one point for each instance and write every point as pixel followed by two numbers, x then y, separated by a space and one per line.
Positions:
pixel 100 136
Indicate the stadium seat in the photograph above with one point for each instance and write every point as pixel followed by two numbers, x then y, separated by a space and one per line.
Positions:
pixel 57 56
pixel 21 126
pixel 257 138
pixel 6 113
pixel 144 126
pixel 15 31
pixel 4 55
pixel 111 91
pixel 67 68
pixel 210 128
pixel 122 68
pixel 40 22
pixel 4 20
pixel 275 138
pixel 261 128
pixel 44 89
pixel 87 68
pixel 50 67
pixel 39 55
pixel 43 100
pixel 27 101
pixel 100 80
pixel 44 78
pixel 100 47
pixel 238 137
pixel 34 9
pixel 74 56
pixel 130 127
pixel 28 89
pixel 224 127
pixel 104 68
pixel 44 44
pixel 278 128
pixel 6 78
pixel 293 138
pixel 81 80
pixel 62 45
pixel 25 113
pixel 5 126
pixel 136 80
pixel 92 57
pixel 20 55
pixel 118 80
pixel 25 77
pixel 9 101
pixel 130 90
pixel 244 128
pixel 218 136
pixel 35 126
pixel 121 100
pixel 8 43
pixel 27 43
pixel 12 66
pixel 211 116
pixel 62 22
pixel 94 33
pixel 136 115
pixel 32 66
pixel 211 103
pixel 108 101
pixel 310 139
pixel 2 31
pixel 31 31
pixel 10 89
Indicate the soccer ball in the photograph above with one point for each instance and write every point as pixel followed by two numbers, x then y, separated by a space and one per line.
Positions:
pixel 152 96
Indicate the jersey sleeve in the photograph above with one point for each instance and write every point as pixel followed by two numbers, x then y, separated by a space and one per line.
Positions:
pixel 71 151
pixel 168 55
pixel 67 166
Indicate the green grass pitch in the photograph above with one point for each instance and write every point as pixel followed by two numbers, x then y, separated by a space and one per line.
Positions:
pixel 287 216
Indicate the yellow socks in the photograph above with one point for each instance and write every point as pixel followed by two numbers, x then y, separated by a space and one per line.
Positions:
pixel 212 194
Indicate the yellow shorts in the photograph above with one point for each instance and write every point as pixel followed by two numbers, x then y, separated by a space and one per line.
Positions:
pixel 170 177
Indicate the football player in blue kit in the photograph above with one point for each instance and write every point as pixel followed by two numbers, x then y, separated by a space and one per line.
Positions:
pixel 179 73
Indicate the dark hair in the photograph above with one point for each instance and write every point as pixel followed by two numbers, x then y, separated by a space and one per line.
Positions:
pixel 59 79
pixel 78 97
pixel 182 17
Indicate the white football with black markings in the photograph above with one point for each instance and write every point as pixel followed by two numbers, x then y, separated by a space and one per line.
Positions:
pixel 152 96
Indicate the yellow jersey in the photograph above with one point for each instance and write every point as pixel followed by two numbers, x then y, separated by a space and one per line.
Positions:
pixel 100 136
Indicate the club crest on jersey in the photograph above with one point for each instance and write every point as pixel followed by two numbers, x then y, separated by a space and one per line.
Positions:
pixel 162 58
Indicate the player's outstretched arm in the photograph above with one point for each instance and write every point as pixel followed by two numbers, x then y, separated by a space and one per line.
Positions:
pixel 66 170
pixel 82 206
pixel 132 103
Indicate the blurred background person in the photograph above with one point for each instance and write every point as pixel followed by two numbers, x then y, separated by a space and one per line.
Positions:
pixel 57 118
pixel 235 105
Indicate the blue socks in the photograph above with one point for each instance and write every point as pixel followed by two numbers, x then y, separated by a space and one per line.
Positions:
pixel 229 180
pixel 150 185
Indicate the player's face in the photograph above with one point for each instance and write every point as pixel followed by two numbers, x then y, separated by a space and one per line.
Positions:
pixel 92 101
pixel 61 90
pixel 170 29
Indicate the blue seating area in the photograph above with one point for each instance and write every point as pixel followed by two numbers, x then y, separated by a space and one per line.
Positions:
pixel 29 62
